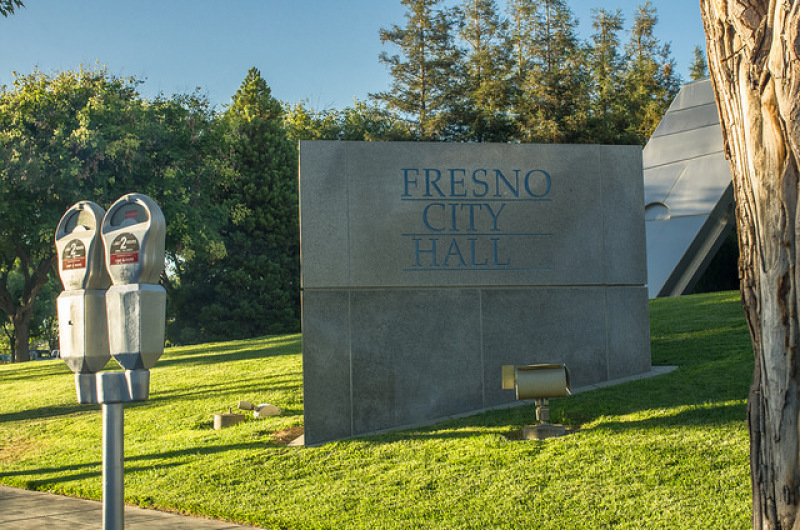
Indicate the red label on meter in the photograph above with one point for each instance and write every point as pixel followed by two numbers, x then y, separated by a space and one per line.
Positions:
pixel 74 256
pixel 124 250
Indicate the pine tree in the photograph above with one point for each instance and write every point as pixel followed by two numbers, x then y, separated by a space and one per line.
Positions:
pixel 255 289
pixel 651 81
pixel 551 89
pixel 699 69
pixel 607 123
pixel 486 67
pixel 422 71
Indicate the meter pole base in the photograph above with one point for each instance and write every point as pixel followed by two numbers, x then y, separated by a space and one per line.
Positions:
pixel 113 466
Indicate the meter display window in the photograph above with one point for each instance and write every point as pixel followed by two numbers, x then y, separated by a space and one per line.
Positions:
pixel 129 214
pixel 81 218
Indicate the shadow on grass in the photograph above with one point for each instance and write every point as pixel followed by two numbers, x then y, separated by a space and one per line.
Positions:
pixel 155 459
pixel 242 390
pixel 32 370
pixel 48 412
pixel 46 483
pixel 233 351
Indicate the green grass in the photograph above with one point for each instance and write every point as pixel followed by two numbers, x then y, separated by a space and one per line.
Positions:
pixel 669 452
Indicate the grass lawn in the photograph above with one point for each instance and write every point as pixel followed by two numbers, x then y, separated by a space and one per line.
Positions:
pixel 669 452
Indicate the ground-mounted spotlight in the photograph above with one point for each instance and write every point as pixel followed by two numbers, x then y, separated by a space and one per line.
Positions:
pixel 539 382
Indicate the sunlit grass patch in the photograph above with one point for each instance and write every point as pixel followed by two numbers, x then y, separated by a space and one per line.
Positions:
pixel 668 452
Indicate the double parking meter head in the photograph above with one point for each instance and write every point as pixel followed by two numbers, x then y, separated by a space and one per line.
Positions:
pixel 134 232
pixel 83 332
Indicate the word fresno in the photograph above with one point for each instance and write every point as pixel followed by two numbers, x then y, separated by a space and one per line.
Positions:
pixel 477 183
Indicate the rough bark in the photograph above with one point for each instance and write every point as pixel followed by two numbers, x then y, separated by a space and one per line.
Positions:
pixel 753 48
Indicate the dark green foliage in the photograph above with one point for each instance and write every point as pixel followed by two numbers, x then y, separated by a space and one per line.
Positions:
pixel 650 80
pixel 482 85
pixel 362 121
pixel 7 7
pixel 608 121
pixel 423 72
pixel 254 289
pixel 89 135
pixel 699 69
pixel 469 74
pixel 552 91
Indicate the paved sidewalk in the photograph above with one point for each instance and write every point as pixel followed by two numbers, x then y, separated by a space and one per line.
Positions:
pixel 23 510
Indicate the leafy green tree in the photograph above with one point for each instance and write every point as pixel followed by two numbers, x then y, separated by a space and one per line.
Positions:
pixel 255 289
pixel 7 7
pixel 421 73
pixel 551 92
pixel 699 69
pixel 302 122
pixel 651 81
pixel 371 123
pixel 89 135
pixel 362 121
pixel 486 68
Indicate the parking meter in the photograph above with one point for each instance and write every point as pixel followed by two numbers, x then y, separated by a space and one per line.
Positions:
pixel 110 264
pixel 134 232
pixel 83 333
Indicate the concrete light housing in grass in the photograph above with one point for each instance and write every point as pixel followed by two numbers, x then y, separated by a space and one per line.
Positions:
pixel 539 382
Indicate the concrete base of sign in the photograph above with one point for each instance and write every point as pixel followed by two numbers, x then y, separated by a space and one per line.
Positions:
pixel 379 358
pixel 543 431
pixel 655 371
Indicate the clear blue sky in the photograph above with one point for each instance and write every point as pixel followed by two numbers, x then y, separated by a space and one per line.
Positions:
pixel 322 51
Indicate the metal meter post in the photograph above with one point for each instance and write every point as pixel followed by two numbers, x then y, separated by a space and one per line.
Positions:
pixel 133 232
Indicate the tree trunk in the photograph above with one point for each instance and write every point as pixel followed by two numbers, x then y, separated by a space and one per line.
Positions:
pixel 753 48
pixel 19 308
pixel 22 328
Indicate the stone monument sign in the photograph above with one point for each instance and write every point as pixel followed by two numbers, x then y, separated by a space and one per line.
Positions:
pixel 428 266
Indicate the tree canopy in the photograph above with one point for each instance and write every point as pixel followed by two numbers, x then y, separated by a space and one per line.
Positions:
pixel 255 288
pixel 468 73
pixel 89 135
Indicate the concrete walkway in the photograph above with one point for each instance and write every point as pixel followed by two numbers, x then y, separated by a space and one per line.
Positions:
pixel 23 510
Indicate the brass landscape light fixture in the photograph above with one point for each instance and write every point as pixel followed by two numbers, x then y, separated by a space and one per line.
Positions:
pixel 539 382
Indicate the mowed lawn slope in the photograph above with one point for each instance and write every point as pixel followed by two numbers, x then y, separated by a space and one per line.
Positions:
pixel 668 452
